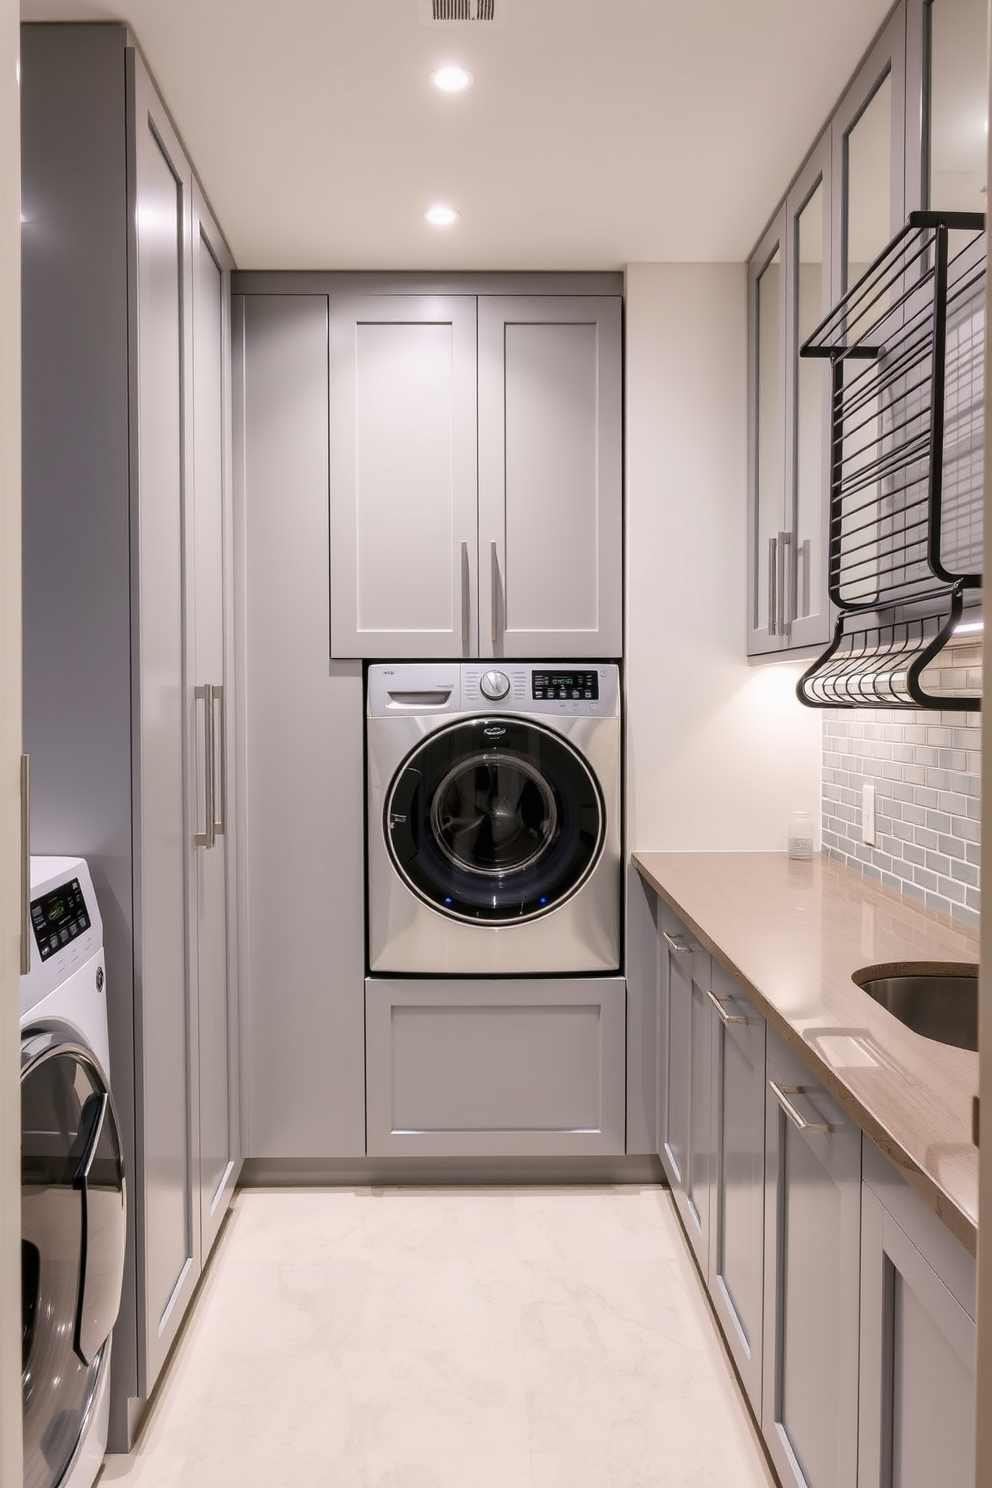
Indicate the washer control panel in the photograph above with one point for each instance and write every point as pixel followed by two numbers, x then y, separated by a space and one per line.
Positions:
pixel 565 685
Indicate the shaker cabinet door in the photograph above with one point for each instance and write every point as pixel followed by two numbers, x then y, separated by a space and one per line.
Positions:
pixel 737 1209
pixel 685 1037
pixel 167 1218
pixel 550 535
pixel 210 671
pixel 403 481
pixel 809 1411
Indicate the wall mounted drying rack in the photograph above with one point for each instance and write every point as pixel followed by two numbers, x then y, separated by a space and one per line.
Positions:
pixel 906 346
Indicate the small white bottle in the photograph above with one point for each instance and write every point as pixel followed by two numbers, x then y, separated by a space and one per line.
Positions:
pixel 800 835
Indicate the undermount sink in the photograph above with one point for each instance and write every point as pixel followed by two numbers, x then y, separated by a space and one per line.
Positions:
pixel 937 1001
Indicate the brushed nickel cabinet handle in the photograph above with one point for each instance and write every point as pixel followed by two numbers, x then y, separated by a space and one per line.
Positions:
pixel 772 585
pixel 785 584
pixel 466 604
pixel 206 837
pixel 725 1017
pixel 218 749
pixel 781 1094
pixel 494 607
pixel 804 560
pixel 25 864
pixel 678 944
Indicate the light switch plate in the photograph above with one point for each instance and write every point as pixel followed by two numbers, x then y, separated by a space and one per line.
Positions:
pixel 868 814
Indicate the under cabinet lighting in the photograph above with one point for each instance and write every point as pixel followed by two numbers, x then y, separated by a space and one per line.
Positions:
pixel 452 78
pixel 440 216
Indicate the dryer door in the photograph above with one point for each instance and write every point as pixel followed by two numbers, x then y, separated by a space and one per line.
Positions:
pixel 494 819
pixel 72 1245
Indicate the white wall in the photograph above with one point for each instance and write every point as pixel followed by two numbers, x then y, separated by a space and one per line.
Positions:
pixel 10 735
pixel 718 752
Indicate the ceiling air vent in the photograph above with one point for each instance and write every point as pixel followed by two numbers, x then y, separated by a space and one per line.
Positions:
pixel 456 12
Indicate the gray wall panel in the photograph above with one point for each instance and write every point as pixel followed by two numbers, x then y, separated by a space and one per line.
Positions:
pixel 303 760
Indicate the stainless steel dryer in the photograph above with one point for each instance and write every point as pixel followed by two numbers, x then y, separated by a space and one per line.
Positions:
pixel 494 818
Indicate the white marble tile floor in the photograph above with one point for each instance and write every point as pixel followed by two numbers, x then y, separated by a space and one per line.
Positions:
pixel 448 1338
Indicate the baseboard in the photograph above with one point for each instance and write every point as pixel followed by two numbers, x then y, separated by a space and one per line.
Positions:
pixel 439 1172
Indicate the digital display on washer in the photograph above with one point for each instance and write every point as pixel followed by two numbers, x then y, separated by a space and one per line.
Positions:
pixel 59 917
pixel 565 685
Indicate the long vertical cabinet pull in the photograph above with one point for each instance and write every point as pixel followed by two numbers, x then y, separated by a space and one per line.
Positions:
pixel 25 864
pixel 494 598
pixel 772 586
pixel 785 586
pixel 218 752
pixel 466 599
pixel 205 695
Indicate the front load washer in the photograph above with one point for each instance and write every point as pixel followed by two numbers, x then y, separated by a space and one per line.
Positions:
pixel 72 1184
pixel 494 818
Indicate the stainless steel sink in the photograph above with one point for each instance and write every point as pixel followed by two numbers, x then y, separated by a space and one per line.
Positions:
pixel 938 1001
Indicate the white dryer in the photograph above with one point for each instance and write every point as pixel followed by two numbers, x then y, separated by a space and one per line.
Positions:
pixel 494 818
pixel 72 1184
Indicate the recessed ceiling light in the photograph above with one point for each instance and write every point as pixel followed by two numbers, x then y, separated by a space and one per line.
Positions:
pixel 452 79
pixel 441 216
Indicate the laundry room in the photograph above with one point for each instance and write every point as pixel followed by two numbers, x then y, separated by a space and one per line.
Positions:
pixel 495 772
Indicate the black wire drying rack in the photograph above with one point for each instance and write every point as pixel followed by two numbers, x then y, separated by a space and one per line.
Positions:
pixel 906 347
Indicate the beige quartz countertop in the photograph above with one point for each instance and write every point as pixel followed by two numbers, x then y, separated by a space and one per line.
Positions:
pixel 791 934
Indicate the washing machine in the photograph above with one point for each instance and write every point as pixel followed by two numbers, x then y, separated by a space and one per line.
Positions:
pixel 72 1184
pixel 494 835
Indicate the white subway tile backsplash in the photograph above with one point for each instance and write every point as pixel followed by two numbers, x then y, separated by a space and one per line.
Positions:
pixel 926 771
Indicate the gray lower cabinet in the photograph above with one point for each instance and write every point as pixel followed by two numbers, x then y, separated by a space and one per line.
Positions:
pixel 471 435
pixel 686 1040
pixel 301 727
pixel 809 1407
pixel 736 1258
pixel 507 1068
pixel 917 1380
pixel 127 595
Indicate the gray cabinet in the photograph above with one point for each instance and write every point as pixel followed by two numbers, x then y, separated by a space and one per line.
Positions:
pixel 851 195
pixel 809 1408
pixel 686 1138
pixel 127 476
pixel 917 1380
pixel 475 475
pixel 303 776
pixel 736 1260
pixel 524 1067
pixel 789 292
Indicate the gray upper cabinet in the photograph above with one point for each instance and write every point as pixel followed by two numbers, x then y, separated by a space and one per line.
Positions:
pixel 549 476
pixel 127 355
pixel 403 476
pixel 475 475
pixel 809 1411
pixel 850 197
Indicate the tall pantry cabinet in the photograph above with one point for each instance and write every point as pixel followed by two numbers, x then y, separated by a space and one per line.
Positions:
pixel 127 620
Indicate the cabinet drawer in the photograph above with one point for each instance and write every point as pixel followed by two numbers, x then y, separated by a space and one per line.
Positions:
pixel 508 1068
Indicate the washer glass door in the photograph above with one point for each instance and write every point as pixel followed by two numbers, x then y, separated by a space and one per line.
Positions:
pixel 72 1246
pixel 494 819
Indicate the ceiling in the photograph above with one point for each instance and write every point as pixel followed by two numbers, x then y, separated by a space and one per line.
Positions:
pixel 598 132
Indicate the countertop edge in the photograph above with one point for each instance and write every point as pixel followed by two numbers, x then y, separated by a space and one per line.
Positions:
pixel 947 1211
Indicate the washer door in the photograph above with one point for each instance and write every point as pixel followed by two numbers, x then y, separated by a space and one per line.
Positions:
pixel 494 819
pixel 72 1246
